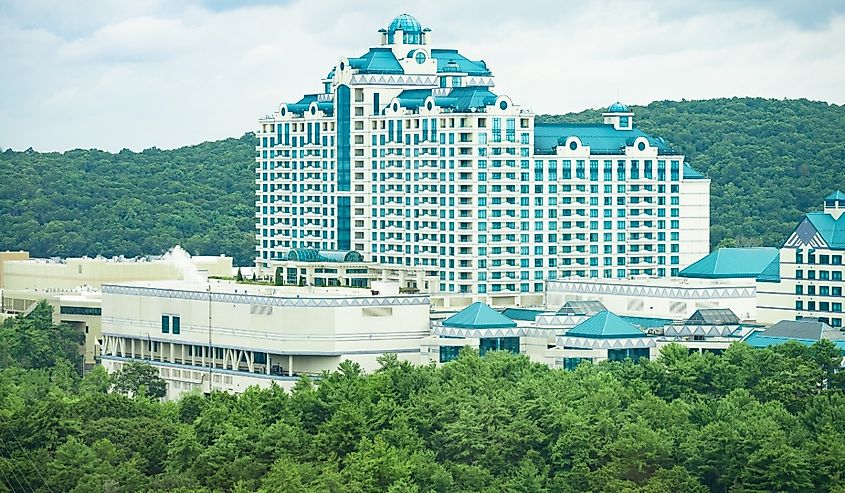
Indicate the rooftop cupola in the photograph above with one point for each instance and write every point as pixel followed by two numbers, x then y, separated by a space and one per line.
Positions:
pixel 834 204
pixel 620 116
pixel 404 30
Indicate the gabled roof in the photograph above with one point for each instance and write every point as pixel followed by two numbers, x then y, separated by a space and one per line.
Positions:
pixel 831 230
pixel 601 138
pixel 480 316
pixel 732 263
pixel 713 316
pixel 837 195
pixel 462 63
pixel 605 325
pixel 588 307
pixel 377 61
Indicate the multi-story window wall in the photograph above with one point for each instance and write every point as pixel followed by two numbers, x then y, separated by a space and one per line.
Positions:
pixel 410 158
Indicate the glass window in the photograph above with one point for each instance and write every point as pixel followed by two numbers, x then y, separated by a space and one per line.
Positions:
pixel 510 344
pixel 448 353
pixel 177 325
pixel 165 324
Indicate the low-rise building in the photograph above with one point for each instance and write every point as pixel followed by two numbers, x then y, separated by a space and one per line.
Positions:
pixel 72 286
pixel 228 336
pixel 804 331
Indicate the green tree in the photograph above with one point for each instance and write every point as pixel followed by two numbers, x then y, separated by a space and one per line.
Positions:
pixel 139 379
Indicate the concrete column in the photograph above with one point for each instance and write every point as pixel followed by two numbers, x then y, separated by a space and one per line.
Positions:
pixel 290 365
pixel 267 365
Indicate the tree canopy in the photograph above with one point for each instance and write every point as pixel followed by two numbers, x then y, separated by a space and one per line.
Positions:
pixel 747 420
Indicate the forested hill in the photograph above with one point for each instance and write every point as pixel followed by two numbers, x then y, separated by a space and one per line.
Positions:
pixel 769 160
pixel 90 202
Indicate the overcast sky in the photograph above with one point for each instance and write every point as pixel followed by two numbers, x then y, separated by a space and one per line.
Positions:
pixel 134 74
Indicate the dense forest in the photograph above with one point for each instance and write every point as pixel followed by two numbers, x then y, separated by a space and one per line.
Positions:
pixel 90 202
pixel 750 420
pixel 769 160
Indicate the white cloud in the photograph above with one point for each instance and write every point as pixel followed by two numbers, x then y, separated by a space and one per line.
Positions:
pixel 153 73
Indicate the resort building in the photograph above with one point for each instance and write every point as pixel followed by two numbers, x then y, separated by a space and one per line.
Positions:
pixel 72 285
pixel 811 270
pixel 228 336
pixel 409 156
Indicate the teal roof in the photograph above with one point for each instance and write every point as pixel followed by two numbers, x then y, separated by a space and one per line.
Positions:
pixel 831 230
pixel 760 340
pixel 837 195
pixel 692 173
pixel 377 61
pixel 467 98
pixel 461 63
pixel 478 316
pixel 458 99
pixel 302 105
pixel 732 263
pixel 618 107
pixel 601 138
pixel 605 325
pixel 772 271
pixel 314 255
pixel 647 322
pixel 413 98
pixel 525 314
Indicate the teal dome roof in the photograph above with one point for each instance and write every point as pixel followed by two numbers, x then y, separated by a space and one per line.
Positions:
pixel 407 23
pixel 618 107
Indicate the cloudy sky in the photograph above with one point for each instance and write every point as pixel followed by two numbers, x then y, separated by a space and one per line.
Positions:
pixel 134 74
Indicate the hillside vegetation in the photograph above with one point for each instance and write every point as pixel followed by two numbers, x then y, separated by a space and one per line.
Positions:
pixel 769 160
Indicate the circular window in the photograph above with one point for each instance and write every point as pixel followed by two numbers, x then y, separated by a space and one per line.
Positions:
pixel 429 106
pixel 503 105
pixel 641 146
pixel 313 110
pixel 395 106
pixel 341 66
pixel 420 57
pixel 573 145
pixel 283 112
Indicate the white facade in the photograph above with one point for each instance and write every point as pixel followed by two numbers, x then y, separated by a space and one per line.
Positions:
pixel 674 298
pixel 811 270
pixel 236 335
pixel 407 156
